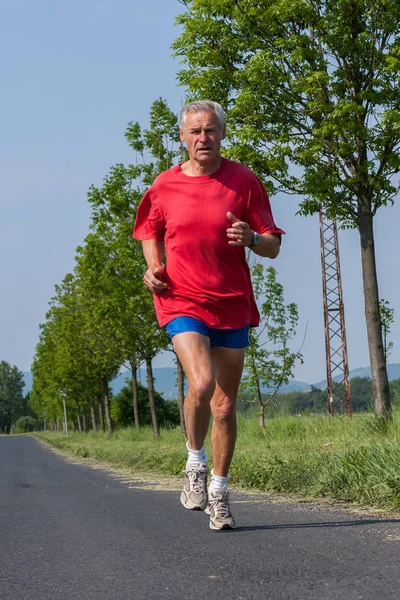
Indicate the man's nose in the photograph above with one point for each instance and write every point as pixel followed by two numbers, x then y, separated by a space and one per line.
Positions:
pixel 202 136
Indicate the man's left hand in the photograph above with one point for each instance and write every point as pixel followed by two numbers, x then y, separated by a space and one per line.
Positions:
pixel 239 233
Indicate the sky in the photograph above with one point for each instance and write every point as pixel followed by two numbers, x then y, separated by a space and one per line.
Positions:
pixel 74 74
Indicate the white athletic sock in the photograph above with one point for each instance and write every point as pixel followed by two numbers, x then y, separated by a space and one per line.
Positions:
pixel 196 456
pixel 218 483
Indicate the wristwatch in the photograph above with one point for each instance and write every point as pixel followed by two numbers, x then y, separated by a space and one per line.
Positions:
pixel 255 239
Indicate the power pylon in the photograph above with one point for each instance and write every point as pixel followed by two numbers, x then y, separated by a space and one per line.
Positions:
pixel 337 366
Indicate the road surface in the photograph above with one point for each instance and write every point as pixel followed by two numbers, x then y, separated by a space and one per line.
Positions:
pixel 68 531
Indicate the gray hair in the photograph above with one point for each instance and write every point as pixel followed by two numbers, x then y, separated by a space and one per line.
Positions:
pixel 202 106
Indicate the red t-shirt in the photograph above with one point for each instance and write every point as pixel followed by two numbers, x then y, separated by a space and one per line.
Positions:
pixel 207 278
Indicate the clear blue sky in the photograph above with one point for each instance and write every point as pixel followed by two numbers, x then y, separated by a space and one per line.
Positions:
pixel 73 75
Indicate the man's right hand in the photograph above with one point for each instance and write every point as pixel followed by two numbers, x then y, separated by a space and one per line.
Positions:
pixel 153 279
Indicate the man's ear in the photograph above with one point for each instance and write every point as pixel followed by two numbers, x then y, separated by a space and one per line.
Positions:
pixel 182 134
pixel 223 133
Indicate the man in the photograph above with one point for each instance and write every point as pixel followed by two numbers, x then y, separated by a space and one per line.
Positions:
pixel 202 214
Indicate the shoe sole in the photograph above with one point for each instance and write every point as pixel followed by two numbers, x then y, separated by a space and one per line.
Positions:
pixel 225 527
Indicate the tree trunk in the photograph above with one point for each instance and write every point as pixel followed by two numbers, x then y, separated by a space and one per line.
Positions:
pixel 152 403
pixel 261 417
pixel 181 393
pixel 135 394
pixel 58 425
pixel 372 313
pixel 93 414
pixel 101 420
pixel 84 420
pixel 261 409
pixel 107 406
pixel 78 418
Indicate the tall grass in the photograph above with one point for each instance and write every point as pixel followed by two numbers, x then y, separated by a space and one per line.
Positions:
pixel 354 461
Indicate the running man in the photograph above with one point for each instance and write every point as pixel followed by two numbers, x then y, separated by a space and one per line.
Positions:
pixel 201 215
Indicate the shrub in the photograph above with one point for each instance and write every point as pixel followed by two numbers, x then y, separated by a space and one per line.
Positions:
pixel 25 424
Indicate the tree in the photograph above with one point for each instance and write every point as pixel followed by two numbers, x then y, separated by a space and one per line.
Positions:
pixel 313 95
pixel 387 319
pixel 25 424
pixel 395 392
pixel 269 361
pixel 121 408
pixel 65 360
pixel 11 396
pixel 102 316
pixel 120 262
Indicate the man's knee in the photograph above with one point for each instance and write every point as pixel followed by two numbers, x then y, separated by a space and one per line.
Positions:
pixel 223 409
pixel 202 388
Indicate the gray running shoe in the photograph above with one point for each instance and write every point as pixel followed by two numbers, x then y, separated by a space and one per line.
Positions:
pixel 219 511
pixel 194 495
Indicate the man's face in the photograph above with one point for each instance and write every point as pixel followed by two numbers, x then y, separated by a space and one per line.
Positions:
pixel 202 135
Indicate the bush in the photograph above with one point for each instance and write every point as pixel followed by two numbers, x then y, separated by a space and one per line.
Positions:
pixel 167 411
pixel 25 424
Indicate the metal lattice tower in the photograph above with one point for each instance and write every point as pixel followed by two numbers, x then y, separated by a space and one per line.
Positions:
pixel 337 366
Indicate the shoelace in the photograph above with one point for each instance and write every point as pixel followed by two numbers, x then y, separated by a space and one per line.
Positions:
pixel 197 479
pixel 221 505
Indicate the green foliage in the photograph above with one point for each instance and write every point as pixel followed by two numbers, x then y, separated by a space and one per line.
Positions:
pixel 25 425
pixel 387 320
pixel 12 402
pixel 315 402
pixel 102 315
pixel 395 392
pixel 122 411
pixel 312 93
pixel 269 360
pixel 333 66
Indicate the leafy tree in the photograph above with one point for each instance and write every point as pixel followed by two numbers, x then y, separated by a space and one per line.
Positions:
pixel 313 96
pixel 11 395
pixel 25 424
pixel 269 360
pixel 121 408
pixel 362 397
pixel 102 315
pixel 395 392
pixel 120 262
pixel 64 360
pixel 387 319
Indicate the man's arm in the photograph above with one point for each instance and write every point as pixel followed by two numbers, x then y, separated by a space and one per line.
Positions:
pixel 153 251
pixel 240 234
pixel 268 245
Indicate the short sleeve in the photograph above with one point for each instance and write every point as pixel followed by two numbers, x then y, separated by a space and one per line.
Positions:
pixel 259 213
pixel 149 223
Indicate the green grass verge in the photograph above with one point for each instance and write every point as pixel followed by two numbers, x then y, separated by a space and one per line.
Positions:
pixel 355 461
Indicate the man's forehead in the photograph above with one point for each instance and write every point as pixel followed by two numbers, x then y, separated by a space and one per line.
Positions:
pixel 202 117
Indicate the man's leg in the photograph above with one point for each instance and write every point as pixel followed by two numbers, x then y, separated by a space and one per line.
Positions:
pixel 193 350
pixel 228 363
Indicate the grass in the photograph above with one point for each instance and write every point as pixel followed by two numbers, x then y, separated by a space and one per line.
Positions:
pixel 355 461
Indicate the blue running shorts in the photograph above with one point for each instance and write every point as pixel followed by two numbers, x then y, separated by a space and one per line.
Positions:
pixel 227 338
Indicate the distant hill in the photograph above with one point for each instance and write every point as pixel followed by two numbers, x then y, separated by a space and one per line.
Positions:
pixel 165 380
pixel 393 371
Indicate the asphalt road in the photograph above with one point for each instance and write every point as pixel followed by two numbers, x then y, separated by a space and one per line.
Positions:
pixel 69 531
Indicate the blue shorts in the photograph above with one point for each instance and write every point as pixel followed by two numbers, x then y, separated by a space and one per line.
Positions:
pixel 228 338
